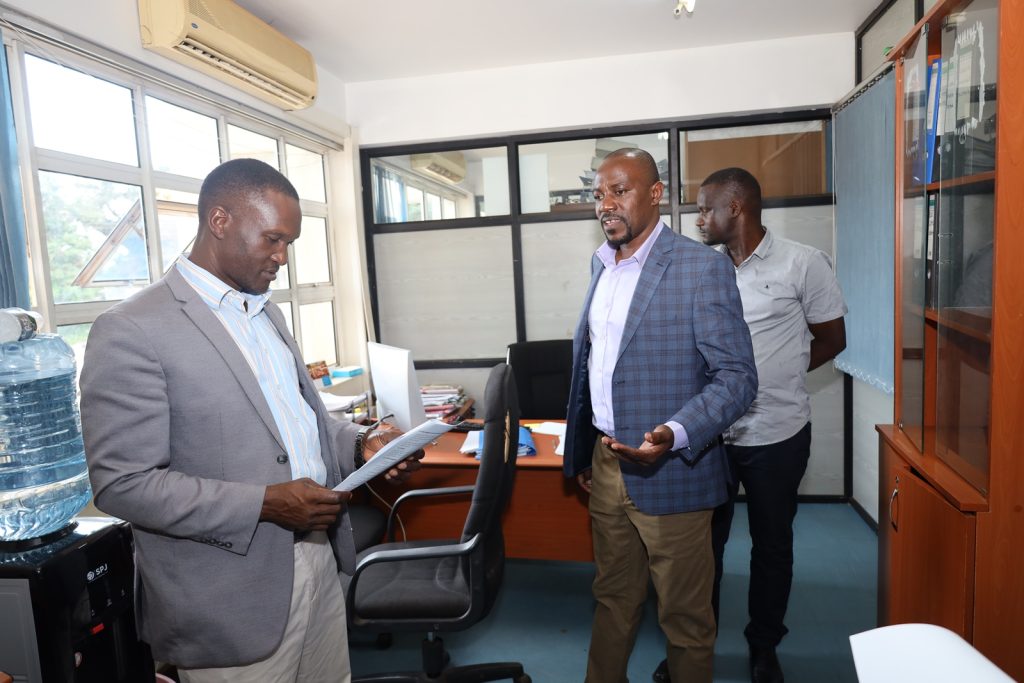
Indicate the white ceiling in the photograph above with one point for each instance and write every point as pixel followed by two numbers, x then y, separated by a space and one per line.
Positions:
pixel 365 40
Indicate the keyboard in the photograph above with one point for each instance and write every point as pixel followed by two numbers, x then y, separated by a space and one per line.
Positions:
pixel 465 426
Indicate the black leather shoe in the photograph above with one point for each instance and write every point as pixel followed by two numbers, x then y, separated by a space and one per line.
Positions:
pixel 764 666
pixel 660 674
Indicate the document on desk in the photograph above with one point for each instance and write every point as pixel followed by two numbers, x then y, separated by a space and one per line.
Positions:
pixel 394 452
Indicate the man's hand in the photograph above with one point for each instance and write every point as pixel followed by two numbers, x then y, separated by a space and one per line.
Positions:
pixel 584 479
pixel 302 505
pixel 376 440
pixel 656 443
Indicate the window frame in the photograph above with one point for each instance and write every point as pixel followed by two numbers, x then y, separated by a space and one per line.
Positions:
pixel 143 84
pixel 674 212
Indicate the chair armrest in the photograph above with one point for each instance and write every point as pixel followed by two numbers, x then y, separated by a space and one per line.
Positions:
pixel 420 493
pixel 403 554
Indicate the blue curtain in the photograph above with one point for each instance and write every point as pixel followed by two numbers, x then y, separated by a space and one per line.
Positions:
pixel 13 254
pixel 865 146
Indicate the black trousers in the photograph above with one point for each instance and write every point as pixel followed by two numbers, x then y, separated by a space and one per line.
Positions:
pixel 770 476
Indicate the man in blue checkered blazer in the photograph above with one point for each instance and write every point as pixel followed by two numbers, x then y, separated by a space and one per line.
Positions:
pixel 662 364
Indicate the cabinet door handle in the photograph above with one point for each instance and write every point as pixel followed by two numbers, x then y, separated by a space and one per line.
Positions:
pixel 892 499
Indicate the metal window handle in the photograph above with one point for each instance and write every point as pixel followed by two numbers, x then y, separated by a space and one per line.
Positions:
pixel 892 499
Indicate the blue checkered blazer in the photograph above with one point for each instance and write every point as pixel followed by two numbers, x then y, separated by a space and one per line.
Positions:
pixel 685 356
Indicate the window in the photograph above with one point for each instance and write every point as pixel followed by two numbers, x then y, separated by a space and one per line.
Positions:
pixel 117 167
pixel 95 237
pixel 181 141
pixel 76 113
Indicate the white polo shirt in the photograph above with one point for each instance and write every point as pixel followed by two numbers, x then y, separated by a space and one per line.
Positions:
pixel 784 286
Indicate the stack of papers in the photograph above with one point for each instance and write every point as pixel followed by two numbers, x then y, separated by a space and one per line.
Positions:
pixel 342 403
pixel 553 429
pixel 440 400
pixel 475 443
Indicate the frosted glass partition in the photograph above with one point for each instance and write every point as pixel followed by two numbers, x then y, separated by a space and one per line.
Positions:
pixel 556 272
pixel 811 225
pixel 446 293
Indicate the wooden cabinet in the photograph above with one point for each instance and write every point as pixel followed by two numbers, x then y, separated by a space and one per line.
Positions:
pixel 920 523
pixel 952 467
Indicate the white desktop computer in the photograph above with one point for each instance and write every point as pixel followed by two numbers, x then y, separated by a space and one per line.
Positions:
pixel 395 385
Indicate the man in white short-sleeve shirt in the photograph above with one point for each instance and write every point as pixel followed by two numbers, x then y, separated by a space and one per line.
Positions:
pixel 794 309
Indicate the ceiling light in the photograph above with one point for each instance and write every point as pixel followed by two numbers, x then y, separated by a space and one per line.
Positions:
pixel 684 4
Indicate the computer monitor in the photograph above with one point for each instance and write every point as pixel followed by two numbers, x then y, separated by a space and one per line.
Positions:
pixel 394 383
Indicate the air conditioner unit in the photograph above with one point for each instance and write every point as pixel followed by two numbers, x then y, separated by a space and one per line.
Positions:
pixel 225 41
pixel 447 166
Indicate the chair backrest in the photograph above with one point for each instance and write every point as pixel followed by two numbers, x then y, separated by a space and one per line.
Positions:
pixel 496 475
pixel 543 371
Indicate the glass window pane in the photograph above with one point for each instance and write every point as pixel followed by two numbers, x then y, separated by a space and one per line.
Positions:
pixel 788 159
pixel 181 141
pixel 414 204
pixel 318 340
pixel 244 144
pixel 286 310
pixel 556 274
pixel 76 336
pixel 558 176
pixel 80 114
pixel 95 238
pixel 469 183
pixel 887 30
pixel 312 262
pixel 433 207
pixel 306 171
pixel 178 218
pixel 283 280
pixel 459 303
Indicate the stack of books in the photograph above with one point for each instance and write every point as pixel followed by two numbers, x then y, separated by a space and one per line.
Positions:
pixel 444 401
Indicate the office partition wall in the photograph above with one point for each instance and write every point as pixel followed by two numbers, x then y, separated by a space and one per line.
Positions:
pixel 474 244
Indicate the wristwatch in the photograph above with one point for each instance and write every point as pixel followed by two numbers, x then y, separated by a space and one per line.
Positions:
pixel 361 437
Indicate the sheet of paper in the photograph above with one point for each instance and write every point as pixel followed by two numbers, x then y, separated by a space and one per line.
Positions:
pixel 394 452
pixel 552 428
pixel 560 448
pixel 472 442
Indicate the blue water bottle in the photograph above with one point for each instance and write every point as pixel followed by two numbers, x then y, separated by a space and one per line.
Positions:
pixel 44 482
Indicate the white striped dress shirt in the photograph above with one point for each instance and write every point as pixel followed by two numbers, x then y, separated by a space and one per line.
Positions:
pixel 273 364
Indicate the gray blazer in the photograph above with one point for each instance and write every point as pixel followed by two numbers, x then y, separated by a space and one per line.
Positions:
pixel 181 443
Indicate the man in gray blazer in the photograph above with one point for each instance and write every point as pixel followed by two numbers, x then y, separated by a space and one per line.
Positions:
pixel 662 364
pixel 204 430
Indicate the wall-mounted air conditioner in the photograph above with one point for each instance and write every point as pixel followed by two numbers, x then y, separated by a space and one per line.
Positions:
pixel 221 39
pixel 447 166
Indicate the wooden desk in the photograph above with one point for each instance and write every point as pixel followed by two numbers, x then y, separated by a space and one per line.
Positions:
pixel 547 518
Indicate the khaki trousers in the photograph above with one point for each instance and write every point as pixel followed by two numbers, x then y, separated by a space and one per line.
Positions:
pixel 314 648
pixel 674 551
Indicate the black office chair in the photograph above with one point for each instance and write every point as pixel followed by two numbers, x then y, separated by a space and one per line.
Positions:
pixel 448 584
pixel 543 371
pixel 368 524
